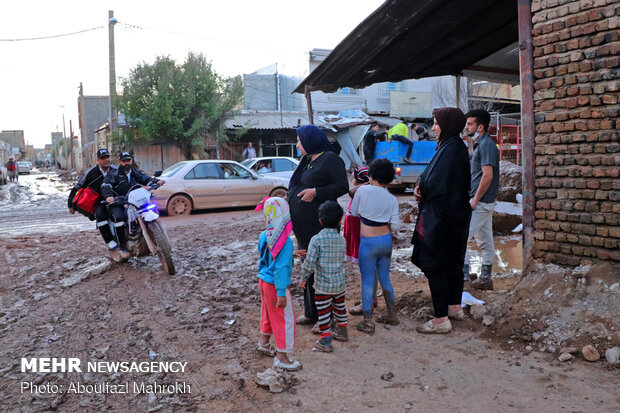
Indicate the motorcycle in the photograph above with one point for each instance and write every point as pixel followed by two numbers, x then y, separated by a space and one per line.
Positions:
pixel 145 234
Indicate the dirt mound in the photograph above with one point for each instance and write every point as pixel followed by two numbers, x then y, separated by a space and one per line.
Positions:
pixel 555 307
pixel 509 181
pixel 415 305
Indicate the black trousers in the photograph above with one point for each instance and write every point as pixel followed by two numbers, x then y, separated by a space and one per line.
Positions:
pixel 101 218
pixel 310 310
pixel 406 141
pixel 119 217
pixel 446 289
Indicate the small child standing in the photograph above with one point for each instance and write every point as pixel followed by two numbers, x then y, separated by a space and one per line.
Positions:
pixel 351 223
pixel 274 273
pixel 325 258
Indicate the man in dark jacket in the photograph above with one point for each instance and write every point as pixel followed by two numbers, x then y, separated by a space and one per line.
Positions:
pixel 93 178
pixel 370 141
pixel 118 184
pixel 421 132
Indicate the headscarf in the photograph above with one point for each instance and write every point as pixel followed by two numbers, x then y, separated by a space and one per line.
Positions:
pixel 314 141
pixel 450 120
pixel 361 174
pixel 278 220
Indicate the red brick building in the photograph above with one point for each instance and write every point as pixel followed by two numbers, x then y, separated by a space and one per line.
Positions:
pixel 576 50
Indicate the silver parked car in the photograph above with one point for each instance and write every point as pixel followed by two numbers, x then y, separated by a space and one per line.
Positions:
pixel 205 184
pixel 23 167
pixel 280 166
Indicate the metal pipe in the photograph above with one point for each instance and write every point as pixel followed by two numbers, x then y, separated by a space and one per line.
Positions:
pixel 309 102
pixel 526 59
pixel 112 63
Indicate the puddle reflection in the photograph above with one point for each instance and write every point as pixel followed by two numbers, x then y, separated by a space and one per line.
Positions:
pixel 508 255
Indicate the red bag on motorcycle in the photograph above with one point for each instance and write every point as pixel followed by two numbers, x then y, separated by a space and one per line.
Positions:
pixel 85 202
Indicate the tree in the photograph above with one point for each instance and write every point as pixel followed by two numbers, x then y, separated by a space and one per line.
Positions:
pixel 181 104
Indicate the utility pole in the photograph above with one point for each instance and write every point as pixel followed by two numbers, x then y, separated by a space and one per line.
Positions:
pixel 71 132
pixel 113 108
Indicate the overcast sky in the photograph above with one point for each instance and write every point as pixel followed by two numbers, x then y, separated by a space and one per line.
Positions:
pixel 39 79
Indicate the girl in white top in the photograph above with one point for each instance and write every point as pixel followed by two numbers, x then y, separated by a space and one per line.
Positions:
pixel 378 212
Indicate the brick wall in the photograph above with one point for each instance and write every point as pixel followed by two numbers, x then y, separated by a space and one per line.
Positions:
pixel 577 88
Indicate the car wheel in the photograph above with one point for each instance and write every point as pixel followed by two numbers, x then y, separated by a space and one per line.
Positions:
pixel 279 192
pixel 179 205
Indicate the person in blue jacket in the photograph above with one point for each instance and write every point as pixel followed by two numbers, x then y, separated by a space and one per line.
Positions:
pixel 274 272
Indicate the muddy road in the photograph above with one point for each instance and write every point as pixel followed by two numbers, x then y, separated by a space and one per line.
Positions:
pixel 60 296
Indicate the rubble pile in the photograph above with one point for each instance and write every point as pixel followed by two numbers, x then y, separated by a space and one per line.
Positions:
pixel 510 183
pixel 561 311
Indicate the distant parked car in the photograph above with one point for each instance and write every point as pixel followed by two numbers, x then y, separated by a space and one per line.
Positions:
pixel 280 166
pixel 23 167
pixel 192 185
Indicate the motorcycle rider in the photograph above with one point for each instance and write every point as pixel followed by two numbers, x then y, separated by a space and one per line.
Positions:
pixel 118 184
pixel 93 178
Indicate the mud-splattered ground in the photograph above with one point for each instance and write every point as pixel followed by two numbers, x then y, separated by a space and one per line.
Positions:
pixel 61 297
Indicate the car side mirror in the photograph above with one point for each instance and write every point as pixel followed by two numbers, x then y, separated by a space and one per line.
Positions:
pixel 158 173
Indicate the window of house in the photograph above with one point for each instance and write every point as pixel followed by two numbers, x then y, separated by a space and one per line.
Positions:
pixel 388 87
pixel 348 91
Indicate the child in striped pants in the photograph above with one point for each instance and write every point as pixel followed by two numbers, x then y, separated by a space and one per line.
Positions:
pixel 325 258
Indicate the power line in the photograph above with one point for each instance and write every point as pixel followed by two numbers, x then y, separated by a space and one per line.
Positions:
pixel 52 36
pixel 135 26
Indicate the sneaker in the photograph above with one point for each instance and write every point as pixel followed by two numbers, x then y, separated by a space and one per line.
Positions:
pixel 292 365
pixel 456 315
pixel 431 328
pixel 112 245
pixel 482 284
pixel 325 344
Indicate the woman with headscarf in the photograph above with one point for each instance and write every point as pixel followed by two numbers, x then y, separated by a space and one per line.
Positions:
pixel 319 177
pixel 440 236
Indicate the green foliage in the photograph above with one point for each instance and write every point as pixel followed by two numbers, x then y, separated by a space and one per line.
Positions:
pixel 181 104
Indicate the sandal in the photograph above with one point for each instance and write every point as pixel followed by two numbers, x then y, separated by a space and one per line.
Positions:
pixel 302 320
pixel 358 309
pixel 293 365
pixel 367 327
pixel 266 349
pixel 316 329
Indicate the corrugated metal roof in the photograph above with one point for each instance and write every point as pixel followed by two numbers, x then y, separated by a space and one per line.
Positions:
pixel 273 120
pixel 292 120
pixel 406 39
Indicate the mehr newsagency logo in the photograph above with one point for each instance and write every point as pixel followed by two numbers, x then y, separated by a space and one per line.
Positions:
pixel 74 365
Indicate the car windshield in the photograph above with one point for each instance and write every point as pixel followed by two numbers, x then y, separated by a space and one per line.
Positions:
pixel 22 163
pixel 246 162
pixel 172 170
